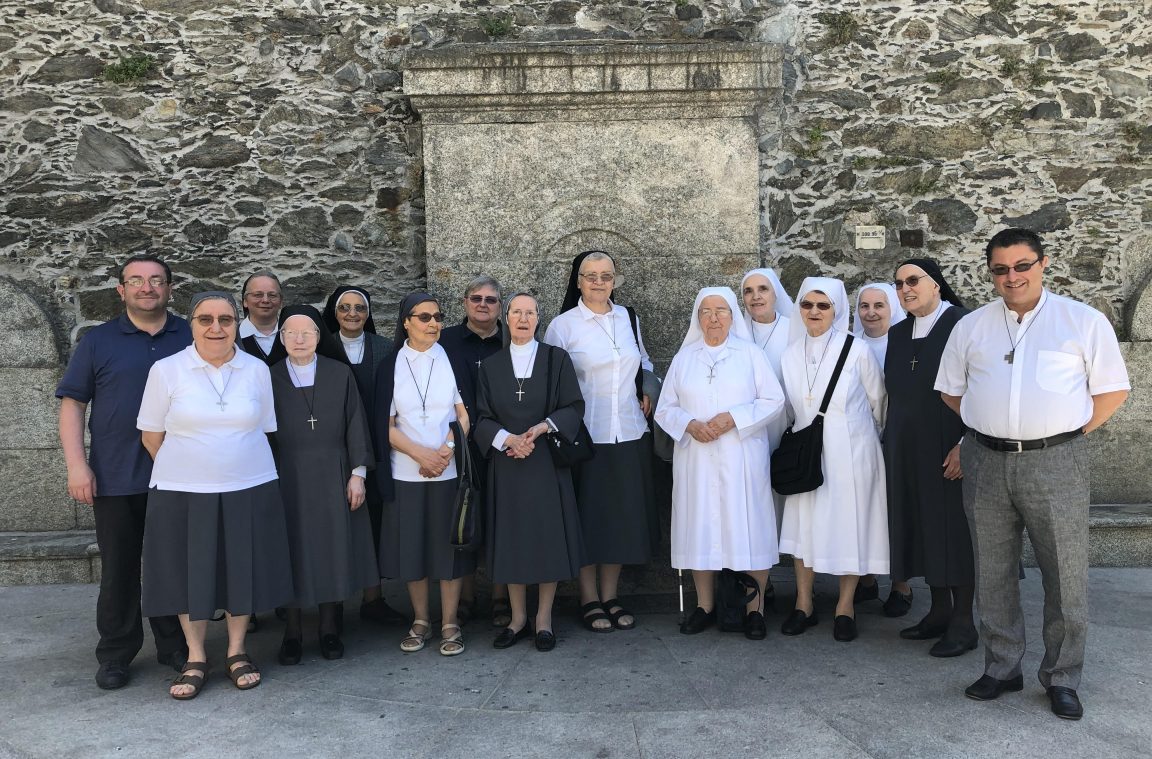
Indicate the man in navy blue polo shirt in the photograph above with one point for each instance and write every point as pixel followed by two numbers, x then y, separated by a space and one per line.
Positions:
pixel 108 371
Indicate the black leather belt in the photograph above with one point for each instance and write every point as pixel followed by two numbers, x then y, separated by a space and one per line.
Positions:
pixel 1018 446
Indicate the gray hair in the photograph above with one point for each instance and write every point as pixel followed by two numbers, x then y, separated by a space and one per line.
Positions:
pixel 598 255
pixel 504 314
pixel 483 281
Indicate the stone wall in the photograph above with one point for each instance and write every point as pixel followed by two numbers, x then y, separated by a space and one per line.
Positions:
pixel 279 134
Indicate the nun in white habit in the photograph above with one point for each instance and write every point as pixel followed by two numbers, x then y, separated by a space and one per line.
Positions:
pixel 840 528
pixel 717 402
pixel 878 309
pixel 766 311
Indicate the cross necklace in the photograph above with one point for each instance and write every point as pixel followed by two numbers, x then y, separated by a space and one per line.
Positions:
pixel 1010 356
pixel 915 353
pixel 812 380
pixel 220 393
pixel 527 373
pixel 423 395
pixel 309 403
pixel 611 335
pixel 712 369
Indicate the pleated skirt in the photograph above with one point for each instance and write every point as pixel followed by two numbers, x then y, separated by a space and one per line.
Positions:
pixel 614 493
pixel 414 534
pixel 209 551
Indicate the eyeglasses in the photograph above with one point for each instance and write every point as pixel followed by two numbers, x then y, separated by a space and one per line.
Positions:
pixel 518 314
pixel 294 334
pixel 426 317
pixel 999 270
pixel 263 296
pixel 204 320
pixel 911 280
pixel 719 313
pixel 605 278
pixel 807 305
pixel 491 300
pixel 346 308
pixel 156 281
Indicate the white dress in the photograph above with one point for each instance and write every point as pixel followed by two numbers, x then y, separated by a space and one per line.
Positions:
pixel 720 517
pixel 840 528
pixel 773 339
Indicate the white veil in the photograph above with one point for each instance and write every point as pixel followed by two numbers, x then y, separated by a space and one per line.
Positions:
pixel 783 301
pixel 696 333
pixel 836 293
pixel 894 306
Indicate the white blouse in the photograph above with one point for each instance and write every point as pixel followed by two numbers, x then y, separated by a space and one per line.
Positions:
pixel 424 404
pixel 606 357
pixel 214 422
pixel 265 341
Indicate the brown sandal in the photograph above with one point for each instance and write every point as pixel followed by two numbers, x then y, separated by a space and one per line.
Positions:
pixel 248 668
pixel 196 681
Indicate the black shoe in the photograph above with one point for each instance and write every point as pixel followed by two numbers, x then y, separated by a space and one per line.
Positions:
pixel 545 640
pixel 1065 703
pixel 291 651
pixel 988 687
pixel 754 627
pixel 699 622
pixel 898 603
pixel 331 647
pixel 798 622
pixel 923 630
pixel 955 643
pixel 378 610
pixel 866 592
pixel 112 675
pixel 844 628
pixel 176 660
pixel 509 637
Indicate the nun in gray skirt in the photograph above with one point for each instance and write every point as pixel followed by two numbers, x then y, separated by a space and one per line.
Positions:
pixel 417 398
pixel 215 537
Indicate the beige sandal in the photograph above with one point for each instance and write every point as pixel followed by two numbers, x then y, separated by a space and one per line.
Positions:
pixel 451 645
pixel 414 640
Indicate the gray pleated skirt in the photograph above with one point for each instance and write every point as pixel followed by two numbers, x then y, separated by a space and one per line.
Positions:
pixel 209 551
pixel 617 504
pixel 414 533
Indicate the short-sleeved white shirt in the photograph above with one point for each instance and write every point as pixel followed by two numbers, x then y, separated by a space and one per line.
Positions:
pixel 432 370
pixel 606 357
pixel 1066 352
pixel 208 448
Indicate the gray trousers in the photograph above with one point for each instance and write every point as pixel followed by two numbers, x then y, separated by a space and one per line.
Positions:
pixel 1047 492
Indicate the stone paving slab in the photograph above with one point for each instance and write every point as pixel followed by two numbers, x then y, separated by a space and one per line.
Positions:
pixel 644 694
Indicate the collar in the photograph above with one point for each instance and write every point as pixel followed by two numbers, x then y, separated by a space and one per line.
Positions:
pixel 1030 314
pixel 588 313
pixel 351 340
pixel 171 323
pixel 470 335
pixel 411 354
pixel 522 350
pixel 247 328
pixel 236 362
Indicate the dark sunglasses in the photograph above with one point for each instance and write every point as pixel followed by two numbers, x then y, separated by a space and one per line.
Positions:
pixel 807 305
pixel 491 300
pixel 999 270
pixel 439 317
pixel 911 280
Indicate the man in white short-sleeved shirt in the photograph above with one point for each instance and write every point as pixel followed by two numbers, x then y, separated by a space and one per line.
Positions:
pixel 1030 374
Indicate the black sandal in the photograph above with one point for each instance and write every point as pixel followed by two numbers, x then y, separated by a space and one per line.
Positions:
pixel 615 615
pixel 196 681
pixel 591 613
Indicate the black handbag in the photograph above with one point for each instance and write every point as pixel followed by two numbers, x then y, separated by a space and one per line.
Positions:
pixel 465 532
pixel 796 461
pixel 566 453
pixel 735 590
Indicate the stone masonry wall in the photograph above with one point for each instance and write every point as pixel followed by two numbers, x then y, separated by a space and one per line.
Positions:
pixel 279 134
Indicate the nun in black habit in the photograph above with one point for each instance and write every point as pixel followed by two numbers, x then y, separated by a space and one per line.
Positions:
pixel 927 526
pixel 323 450
pixel 525 391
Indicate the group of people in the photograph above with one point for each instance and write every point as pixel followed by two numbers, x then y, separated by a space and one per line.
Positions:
pixel 287 458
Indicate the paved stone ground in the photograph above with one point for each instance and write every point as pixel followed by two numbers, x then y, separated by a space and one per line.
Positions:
pixel 647 693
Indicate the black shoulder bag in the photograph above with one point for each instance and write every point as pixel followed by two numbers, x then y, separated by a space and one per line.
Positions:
pixel 466 506
pixel 566 453
pixel 796 461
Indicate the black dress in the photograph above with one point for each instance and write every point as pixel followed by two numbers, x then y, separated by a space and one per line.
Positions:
pixel 252 347
pixel 927 527
pixel 533 525
pixel 333 556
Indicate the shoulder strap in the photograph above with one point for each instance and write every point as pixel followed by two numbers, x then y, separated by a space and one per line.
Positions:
pixel 836 374
pixel 632 320
pixel 547 382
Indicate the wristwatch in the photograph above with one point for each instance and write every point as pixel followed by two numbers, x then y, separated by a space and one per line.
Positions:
pixel 451 444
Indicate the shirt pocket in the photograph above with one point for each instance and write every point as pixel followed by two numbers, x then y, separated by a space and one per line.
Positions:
pixel 1058 372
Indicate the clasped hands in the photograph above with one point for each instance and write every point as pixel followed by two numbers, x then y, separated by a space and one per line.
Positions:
pixel 521 446
pixel 433 461
pixel 706 432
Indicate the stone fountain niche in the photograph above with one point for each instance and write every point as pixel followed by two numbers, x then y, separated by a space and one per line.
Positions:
pixel 535 152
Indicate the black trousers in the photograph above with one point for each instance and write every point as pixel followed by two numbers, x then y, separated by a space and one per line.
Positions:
pixel 120 533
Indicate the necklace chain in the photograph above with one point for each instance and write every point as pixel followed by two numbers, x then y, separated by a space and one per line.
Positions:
pixel 1010 357
pixel 427 383
pixel 300 386
pixel 219 393
pixel 812 380
pixel 521 380
pixel 775 324
pixel 612 335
